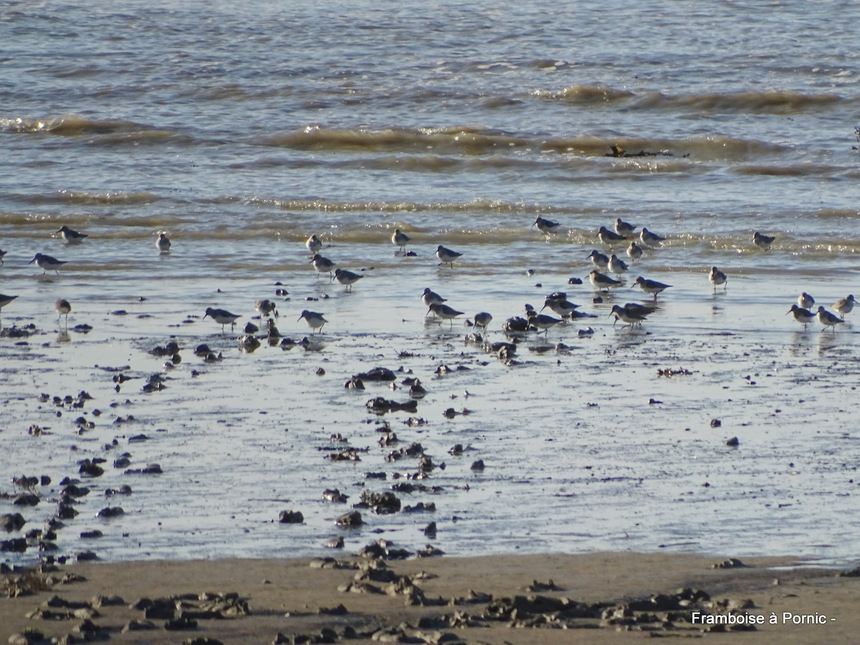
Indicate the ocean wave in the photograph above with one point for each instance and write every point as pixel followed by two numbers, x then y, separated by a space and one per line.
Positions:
pixel 757 102
pixel 465 140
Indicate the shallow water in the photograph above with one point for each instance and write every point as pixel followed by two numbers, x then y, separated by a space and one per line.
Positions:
pixel 242 133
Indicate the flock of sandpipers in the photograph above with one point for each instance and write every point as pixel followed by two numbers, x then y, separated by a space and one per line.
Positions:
pixel 623 234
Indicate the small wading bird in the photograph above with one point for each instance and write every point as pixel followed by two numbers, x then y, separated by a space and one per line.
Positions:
pixel 447 256
pixel 430 298
pixel 616 264
pixel 70 236
pixel 609 237
pixel 805 301
pixel 542 322
pixel 603 282
pixel 313 319
pixel 347 278
pixel 483 320
pixel 2 255
pixel 445 312
pixel 651 286
pixel 400 239
pixel 546 226
pixel 828 319
pixel 323 265
pixel 313 244
pixel 162 242
pixel 631 313
pixel 844 305
pixel 64 308
pixel 222 317
pixel 717 278
pixel 266 308
pixel 647 238
pixel 624 228
pixel 634 251
pixel 763 241
pixel 801 315
pixel 599 260
pixel 47 263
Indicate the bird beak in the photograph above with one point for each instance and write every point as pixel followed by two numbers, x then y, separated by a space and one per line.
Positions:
pixel 788 312
pixel 204 315
pixel 298 319
pixel 31 261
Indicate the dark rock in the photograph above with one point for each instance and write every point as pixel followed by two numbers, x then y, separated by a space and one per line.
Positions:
pixel 12 522
pixel 111 511
pixel 382 374
pixel 350 520
pixel 291 517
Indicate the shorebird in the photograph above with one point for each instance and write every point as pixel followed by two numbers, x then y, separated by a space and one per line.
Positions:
pixel 624 228
pixel 609 237
pixel 446 256
pixel 323 265
pixel 347 278
pixel 560 305
pixel 266 307
pixel 651 286
pixel 47 263
pixel 603 282
pixel 546 226
pixel 542 322
pixel 628 315
pixel 648 238
pixel 313 319
pixel 71 236
pixel 483 320
pixel 162 243
pixel 430 298
pixel 634 251
pixel 5 300
pixel 617 265
pixel 801 315
pixel 400 239
pixel 763 241
pixel 445 312
pixel 64 308
pixel 313 243
pixel 2 255
pixel 805 301
pixel 599 260
pixel 828 319
pixel 222 317
pixel 717 278
pixel 844 305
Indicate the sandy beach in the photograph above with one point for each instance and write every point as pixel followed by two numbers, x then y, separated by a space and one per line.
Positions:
pixel 591 598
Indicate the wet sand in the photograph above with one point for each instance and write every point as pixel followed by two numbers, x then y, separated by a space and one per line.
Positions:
pixel 295 598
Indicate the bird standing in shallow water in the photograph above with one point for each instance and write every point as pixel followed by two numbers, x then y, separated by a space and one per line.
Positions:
pixel 313 319
pixel 323 265
pixel 445 312
pixel 483 320
pixel 546 226
pixel 162 243
pixel 70 236
pixel 629 315
pixel 400 239
pixel 624 228
pixel 2 255
pixel 717 277
pixel 266 308
pixel 609 237
pixel 47 263
pixel 647 238
pixel 651 286
pixel 805 301
pixel 828 319
pixel 64 308
pixel 763 241
pixel 602 282
pixel 447 256
pixel 222 317
pixel 634 251
pixel 801 315
pixel 617 265
pixel 599 260
pixel 347 278
pixel 313 244
pixel 844 305
pixel 430 298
